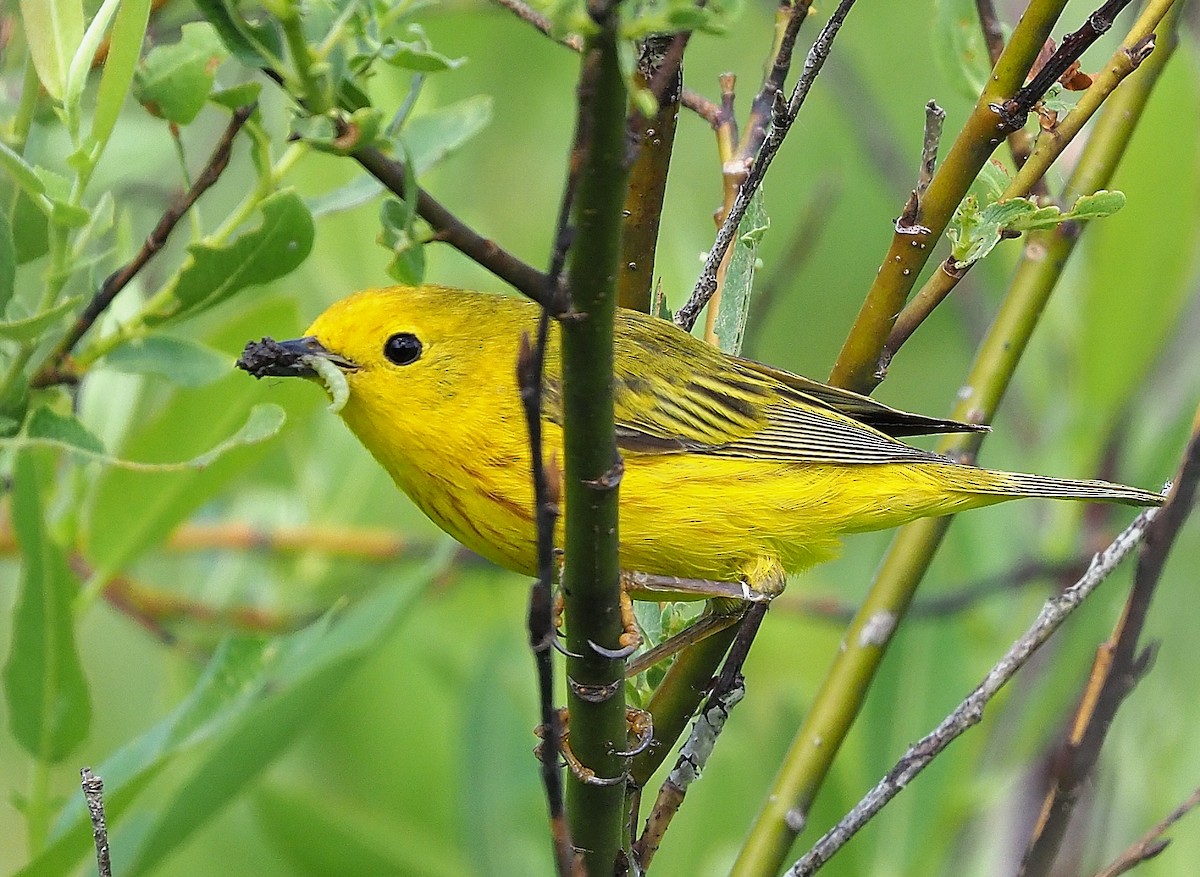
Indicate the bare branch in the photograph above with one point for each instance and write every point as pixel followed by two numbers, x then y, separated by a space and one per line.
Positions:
pixel 781 124
pixel 1120 663
pixel 54 371
pixel 93 793
pixel 546 491
pixel 1151 843
pixel 970 711
pixel 935 116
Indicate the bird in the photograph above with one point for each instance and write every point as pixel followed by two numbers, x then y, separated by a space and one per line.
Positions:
pixel 734 471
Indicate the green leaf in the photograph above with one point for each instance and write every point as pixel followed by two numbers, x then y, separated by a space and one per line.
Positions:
pixel 354 194
pixel 25 176
pixel 180 360
pixel 734 309
pixel 54 30
pixel 31 328
pixel 31 228
pixel 125 46
pixel 974 232
pixel 237 96
pixel 8 261
pixel 352 131
pixel 174 81
pixel 282 687
pixel 255 45
pixel 431 137
pixel 214 272
pixel 49 711
pixel 416 54
pixel 62 430
pixel 398 233
pixel 58 191
pixel 85 52
pixel 958 47
pixel 263 422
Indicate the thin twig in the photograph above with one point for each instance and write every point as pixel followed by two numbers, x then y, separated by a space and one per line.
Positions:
pixel 789 16
pixel 970 712
pixel 55 370
pixel 843 691
pixel 1120 663
pixel 546 491
pixel 727 690
pixel 1152 842
pixel 1138 45
pixel 93 793
pixel 780 125
pixel 1073 46
pixel 935 117
pixel 693 757
pixel 1020 142
pixel 531 16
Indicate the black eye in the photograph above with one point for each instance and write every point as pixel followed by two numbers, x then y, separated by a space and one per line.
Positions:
pixel 402 348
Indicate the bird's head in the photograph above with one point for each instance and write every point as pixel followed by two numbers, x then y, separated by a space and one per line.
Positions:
pixel 406 364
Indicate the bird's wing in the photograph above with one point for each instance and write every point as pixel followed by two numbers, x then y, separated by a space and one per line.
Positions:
pixel 671 396
pixel 864 409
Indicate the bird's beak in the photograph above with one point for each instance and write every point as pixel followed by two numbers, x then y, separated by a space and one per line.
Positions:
pixel 288 359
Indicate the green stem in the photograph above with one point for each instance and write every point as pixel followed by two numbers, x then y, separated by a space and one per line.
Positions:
pixel 845 687
pixel 596 695
pixel 26 107
pixel 37 807
pixel 858 361
pixel 311 88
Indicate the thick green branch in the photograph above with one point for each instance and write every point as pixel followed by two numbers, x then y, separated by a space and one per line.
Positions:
pixel 596 695
pixel 915 236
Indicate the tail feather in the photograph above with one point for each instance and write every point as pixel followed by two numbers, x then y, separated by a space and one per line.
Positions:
pixel 1018 484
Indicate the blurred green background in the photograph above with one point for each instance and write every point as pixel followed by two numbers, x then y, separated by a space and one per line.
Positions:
pixel 416 757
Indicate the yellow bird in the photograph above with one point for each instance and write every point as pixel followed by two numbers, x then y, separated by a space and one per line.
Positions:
pixel 734 471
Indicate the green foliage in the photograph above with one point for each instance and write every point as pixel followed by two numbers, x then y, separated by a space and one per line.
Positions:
pixel 734 310
pixel 959 48
pixel 238 718
pixel 974 231
pixel 54 29
pixel 213 272
pixel 174 81
pixel 49 710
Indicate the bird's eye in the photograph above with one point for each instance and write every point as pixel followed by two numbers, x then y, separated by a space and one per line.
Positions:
pixel 402 348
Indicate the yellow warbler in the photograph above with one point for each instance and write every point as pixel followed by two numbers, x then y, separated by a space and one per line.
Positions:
pixel 734 471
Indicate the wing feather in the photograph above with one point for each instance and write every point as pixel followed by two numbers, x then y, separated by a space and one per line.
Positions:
pixel 673 394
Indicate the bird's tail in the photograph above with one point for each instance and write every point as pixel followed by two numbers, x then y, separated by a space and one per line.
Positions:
pixel 1015 484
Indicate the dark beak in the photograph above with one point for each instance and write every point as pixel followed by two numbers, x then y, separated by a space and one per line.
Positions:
pixel 287 359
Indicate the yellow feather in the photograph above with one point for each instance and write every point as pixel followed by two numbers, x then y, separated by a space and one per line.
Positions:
pixel 733 470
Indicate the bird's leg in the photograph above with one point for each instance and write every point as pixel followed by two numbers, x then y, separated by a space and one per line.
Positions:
pixel 654 587
pixel 641 727
pixel 728 603
pixel 724 614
